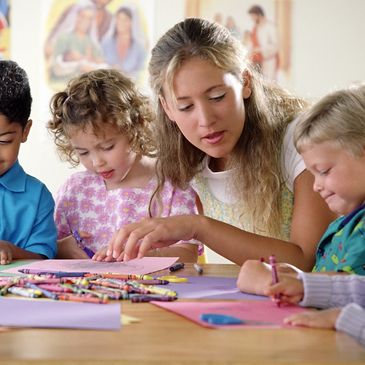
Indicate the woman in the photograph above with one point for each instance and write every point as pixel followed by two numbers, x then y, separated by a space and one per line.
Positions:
pixel 222 125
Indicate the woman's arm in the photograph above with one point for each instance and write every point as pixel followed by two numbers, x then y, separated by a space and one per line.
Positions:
pixel 310 219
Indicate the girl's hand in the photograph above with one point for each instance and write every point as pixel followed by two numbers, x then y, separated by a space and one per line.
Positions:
pixel 6 253
pixel 316 319
pixel 254 277
pixel 134 240
pixel 67 248
pixel 290 290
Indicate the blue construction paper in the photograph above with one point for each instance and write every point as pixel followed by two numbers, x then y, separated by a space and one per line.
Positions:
pixel 211 287
pixel 43 313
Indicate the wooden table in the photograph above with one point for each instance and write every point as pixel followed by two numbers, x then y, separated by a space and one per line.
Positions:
pixel 162 337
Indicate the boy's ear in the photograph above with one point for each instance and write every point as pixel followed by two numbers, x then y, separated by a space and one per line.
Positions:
pixel 165 107
pixel 26 130
pixel 247 89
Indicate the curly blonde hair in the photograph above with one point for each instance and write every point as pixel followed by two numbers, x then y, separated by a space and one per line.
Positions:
pixel 98 98
pixel 256 158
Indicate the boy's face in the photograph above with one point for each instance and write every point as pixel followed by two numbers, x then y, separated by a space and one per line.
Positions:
pixel 339 177
pixel 11 136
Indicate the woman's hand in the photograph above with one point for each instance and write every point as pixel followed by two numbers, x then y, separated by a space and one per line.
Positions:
pixel 134 240
pixel 101 255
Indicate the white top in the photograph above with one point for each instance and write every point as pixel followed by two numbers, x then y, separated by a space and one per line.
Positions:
pixel 292 163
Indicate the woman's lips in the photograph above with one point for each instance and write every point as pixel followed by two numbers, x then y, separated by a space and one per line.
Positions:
pixel 214 138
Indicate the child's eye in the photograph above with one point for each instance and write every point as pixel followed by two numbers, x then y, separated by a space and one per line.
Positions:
pixel 108 148
pixel 324 172
pixel 82 153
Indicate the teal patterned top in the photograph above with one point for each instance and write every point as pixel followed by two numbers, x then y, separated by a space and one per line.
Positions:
pixel 342 247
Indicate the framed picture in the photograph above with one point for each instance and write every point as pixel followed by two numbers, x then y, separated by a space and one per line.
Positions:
pixel 4 30
pixel 264 27
pixel 83 35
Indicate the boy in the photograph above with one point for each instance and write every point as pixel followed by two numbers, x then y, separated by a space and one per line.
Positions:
pixel 27 228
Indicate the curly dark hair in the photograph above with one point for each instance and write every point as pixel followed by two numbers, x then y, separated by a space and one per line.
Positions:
pixel 15 95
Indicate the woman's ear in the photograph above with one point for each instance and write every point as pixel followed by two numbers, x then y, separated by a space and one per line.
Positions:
pixel 26 130
pixel 165 107
pixel 246 92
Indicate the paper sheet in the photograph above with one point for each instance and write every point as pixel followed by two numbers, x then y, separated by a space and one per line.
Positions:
pixel 45 313
pixel 145 265
pixel 212 287
pixel 261 313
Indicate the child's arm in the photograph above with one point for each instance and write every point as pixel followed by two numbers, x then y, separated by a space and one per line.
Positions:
pixel 9 251
pixel 255 276
pixel 68 249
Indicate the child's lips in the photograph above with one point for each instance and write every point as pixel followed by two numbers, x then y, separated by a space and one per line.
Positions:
pixel 106 174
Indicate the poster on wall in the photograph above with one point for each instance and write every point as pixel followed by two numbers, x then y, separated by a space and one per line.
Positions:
pixel 262 26
pixel 84 35
pixel 4 30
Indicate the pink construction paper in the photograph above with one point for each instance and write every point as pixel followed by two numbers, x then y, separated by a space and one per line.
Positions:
pixel 43 313
pixel 261 313
pixel 145 265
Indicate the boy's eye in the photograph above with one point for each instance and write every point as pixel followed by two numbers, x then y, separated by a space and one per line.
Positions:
pixel 324 172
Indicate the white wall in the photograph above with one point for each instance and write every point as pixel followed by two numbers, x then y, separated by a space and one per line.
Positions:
pixel 328 52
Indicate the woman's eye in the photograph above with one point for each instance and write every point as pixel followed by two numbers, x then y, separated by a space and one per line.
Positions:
pixel 184 108
pixel 218 98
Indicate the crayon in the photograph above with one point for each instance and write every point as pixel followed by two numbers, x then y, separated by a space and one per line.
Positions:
pixel 177 266
pixel 198 268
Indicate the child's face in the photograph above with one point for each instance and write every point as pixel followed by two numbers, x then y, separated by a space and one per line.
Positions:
pixel 209 111
pixel 339 176
pixel 11 136
pixel 108 155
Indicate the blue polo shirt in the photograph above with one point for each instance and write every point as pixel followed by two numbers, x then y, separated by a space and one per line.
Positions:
pixel 26 212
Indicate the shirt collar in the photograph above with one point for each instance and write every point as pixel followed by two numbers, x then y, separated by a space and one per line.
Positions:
pixel 14 179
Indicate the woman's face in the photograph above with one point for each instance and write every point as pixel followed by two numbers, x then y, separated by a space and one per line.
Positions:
pixel 209 108
pixel 123 23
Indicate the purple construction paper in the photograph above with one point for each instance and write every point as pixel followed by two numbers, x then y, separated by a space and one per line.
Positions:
pixel 211 287
pixel 45 313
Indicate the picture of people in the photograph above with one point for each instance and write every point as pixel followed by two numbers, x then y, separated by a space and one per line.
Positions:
pixel 263 43
pixel 4 29
pixel 92 34
pixel 264 27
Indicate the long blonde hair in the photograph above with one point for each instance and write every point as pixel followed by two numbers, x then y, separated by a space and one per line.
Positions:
pixel 256 158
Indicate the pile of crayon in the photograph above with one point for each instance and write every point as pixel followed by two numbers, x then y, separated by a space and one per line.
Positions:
pixel 86 287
